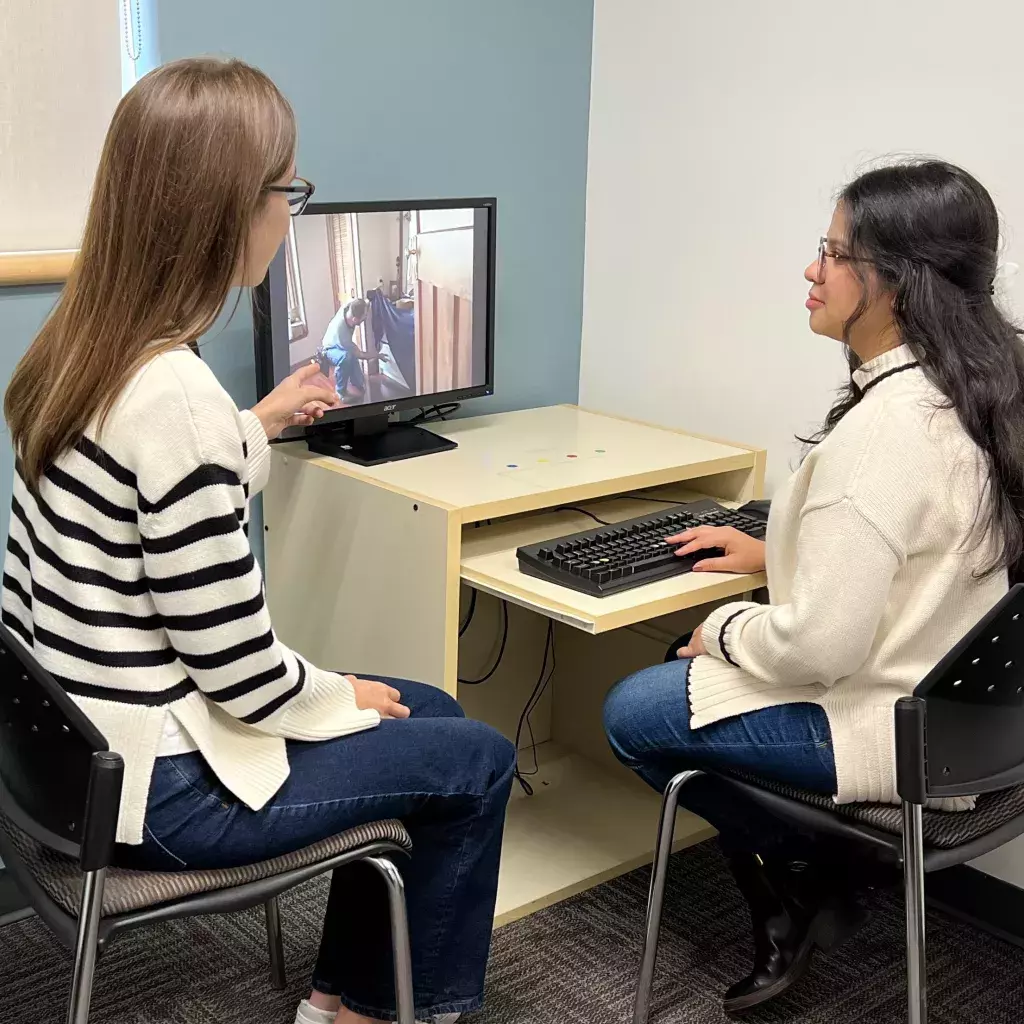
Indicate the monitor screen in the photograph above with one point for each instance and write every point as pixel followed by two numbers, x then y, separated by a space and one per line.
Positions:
pixel 394 302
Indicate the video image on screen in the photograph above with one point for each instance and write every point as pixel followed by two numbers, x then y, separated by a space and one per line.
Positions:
pixel 383 301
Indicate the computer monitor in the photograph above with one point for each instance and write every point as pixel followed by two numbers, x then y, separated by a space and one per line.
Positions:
pixel 395 302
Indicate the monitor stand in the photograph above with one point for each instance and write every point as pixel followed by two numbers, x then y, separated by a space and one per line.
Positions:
pixel 372 441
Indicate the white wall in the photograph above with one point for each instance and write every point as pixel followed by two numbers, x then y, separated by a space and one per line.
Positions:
pixel 314 248
pixel 718 134
pixel 378 248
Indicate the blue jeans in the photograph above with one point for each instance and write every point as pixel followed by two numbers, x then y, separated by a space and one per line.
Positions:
pixel 647 720
pixel 348 368
pixel 446 777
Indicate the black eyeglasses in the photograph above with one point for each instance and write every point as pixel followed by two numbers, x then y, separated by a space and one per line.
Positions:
pixel 298 192
pixel 826 253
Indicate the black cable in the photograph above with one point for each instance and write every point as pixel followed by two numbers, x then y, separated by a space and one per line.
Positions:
pixel 432 412
pixel 531 705
pixel 501 652
pixel 470 613
pixel 583 511
pixel 644 497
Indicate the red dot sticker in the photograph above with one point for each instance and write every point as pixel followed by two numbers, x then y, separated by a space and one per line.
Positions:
pixel 570 456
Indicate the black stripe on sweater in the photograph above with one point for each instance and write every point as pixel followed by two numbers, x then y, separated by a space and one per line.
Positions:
pixel 134 588
pixel 210 475
pixel 278 702
pixel 11 584
pixel 78 573
pixel 109 659
pixel 722 635
pixel 77 531
pixel 215 526
pixel 247 686
pixel 228 655
pixel 202 577
pixel 94 453
pixel 66 482
pixel 218 617
pixel 12 622
pixel 92 617
pixel 125 620
pixel 123 696
pixel 19 552
pixel 885 376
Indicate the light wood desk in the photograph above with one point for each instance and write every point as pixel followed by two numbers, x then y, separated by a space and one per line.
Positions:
pixel 367 569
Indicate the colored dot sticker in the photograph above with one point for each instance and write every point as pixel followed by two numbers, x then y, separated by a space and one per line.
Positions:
pixel 600 451
pixel 511 465
pixel 572 456
pixel 542 460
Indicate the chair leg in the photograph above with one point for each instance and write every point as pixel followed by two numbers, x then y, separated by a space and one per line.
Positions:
pixel 913 878
pixel 275 944
pixel 404 999
pixel 656 895
pixel 86 946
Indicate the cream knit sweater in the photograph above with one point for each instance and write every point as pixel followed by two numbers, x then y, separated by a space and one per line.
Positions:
pixel 872 564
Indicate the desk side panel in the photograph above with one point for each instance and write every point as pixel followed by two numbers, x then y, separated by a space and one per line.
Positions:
pixel 358 577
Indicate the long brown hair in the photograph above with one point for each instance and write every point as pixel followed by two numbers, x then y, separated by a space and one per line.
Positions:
pixel 181 179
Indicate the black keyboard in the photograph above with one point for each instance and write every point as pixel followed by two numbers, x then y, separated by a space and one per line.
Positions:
pixel 629 554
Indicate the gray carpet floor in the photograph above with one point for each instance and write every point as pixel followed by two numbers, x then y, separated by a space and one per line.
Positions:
pixel 571 964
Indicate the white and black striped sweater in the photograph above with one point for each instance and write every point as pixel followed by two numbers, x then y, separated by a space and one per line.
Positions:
pixel 130 575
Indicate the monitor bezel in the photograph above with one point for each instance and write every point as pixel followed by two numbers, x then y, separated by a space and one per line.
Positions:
pixel 261 313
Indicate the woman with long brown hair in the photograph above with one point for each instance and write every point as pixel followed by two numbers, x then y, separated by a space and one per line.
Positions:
pixel 129 573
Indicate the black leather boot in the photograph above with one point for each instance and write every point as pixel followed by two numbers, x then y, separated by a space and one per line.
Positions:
pixel 822 894
pixel 783 938
pixel 794 907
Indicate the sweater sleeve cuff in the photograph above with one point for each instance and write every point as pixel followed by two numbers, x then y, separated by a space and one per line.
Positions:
pixel 719 625
pixel 257 452
pixel 326 712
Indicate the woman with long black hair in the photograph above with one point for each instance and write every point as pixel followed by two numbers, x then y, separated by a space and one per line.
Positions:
pixel 896 534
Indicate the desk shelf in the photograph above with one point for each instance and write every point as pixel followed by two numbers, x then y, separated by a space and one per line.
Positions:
pixel 583 825
pixel 489 563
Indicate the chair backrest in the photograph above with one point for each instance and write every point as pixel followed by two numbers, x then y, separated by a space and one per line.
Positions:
pixel 971 709
pixel 58 781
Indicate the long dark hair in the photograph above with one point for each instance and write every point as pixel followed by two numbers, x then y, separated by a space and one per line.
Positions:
pixel 930 232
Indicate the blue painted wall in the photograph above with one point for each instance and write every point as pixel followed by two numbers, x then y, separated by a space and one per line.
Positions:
pixel 420 98
pixel 440 97
pixel 22 312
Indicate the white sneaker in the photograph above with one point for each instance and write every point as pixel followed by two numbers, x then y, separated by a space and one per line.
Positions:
pixel 308 1014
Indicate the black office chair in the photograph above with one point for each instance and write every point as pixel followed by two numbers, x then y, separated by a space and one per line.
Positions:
pixel 961 734
pixel 60 790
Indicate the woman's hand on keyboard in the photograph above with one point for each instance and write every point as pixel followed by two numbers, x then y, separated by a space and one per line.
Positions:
pixel 743 554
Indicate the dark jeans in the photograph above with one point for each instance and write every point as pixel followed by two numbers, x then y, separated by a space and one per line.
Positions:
pixel 647 720
pixel 446 777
